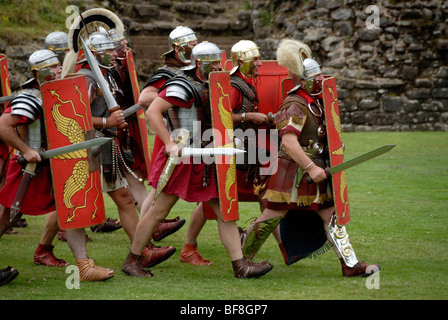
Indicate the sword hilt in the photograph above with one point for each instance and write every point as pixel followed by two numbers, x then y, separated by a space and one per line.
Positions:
pixel 310 181
pixel 21 159
pixel 124 124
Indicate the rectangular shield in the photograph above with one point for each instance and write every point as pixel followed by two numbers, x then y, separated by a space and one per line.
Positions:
pixel 5 85
pixel 142 135
pixel 269 85
pixel 5 90
pixel 336 149
pixel 77 191
pixel 220 109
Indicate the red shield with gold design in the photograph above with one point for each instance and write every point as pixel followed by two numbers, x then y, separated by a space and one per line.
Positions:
pixel 77 190
pixel 5 90
pixel 140 133
pixel 219 85
pixel 5 85
pixel 336 150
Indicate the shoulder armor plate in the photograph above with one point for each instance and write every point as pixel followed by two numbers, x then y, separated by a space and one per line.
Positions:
pixel 27 103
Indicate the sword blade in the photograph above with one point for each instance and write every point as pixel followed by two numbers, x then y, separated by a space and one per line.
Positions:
pixel 7 99
pixel 362 158
pixel 74 147
pixel 191 152
pixel 110 101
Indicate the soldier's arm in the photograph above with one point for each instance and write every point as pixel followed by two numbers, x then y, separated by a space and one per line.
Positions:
pixel 147 96
pixel 295 151
pixel 154 114
pixel 9 135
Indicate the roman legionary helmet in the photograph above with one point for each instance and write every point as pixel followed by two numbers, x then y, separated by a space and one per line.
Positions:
pixel 58 43
pixel 181 36
pixel 296 57
pixel 86 24
pixel 291 54
pixel 42 61
pixel 99 42
pixel 120 45
pixel 246 51
pixel 311 69
pixel 207 53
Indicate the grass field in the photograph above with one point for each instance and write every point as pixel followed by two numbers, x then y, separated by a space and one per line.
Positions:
pixel 399 219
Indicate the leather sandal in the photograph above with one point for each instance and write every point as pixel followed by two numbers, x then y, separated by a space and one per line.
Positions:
pixel 132 266
pixel 89 271
pixel 361 269
pixel 153 255
pixel 110 225
pixel 191 255
pixel 167 227
pixel 44 256
pixel 7 275
pixel 245 268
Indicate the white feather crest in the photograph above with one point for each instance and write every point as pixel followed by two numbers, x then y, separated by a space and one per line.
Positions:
pixel 291 53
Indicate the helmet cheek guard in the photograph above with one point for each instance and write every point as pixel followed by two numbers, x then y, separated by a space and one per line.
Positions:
pixel 181 37
pixel 207 53
pixel 42 61
pixel 311 70
pixel 245 51
pixel 99 42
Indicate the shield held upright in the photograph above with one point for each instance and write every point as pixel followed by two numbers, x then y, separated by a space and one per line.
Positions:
pixel 219 85
pixel 140 131
pixel 77 187
pixel 5 90
pixel 336 149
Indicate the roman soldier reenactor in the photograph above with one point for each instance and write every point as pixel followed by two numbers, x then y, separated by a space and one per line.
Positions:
pixel 89 34
pixel 30 191
pixel 185 99
pixel 309 224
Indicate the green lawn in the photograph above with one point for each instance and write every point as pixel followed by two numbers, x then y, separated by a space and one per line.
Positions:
pixel 399 219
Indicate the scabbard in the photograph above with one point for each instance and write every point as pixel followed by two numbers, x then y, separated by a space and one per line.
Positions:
pixel 28 174
pixel 170 164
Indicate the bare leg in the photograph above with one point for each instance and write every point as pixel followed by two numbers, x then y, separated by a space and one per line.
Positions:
pixel 228 232
pixel 138 190
pixel 126 210
pixel 44 251
pixel 76 239
pixel 269 213
pixel 197 222
pixel 150 220
pixel 147 203
pixel 51 228
pixel 325 215
pixel 190 253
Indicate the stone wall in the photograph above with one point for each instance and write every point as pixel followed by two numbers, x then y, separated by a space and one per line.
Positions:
pixel 393 78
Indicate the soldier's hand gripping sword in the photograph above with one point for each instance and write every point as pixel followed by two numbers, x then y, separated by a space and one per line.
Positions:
pixel 182 140
pixel 107 94
pixel 30 169
pixel 355 161
pixel 172 161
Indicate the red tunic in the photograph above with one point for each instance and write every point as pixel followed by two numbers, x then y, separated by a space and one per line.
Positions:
pixel 186 180
pixel 39 198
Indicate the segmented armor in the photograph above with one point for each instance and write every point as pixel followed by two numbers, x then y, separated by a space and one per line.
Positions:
pixel 28 103
pixel 187 89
